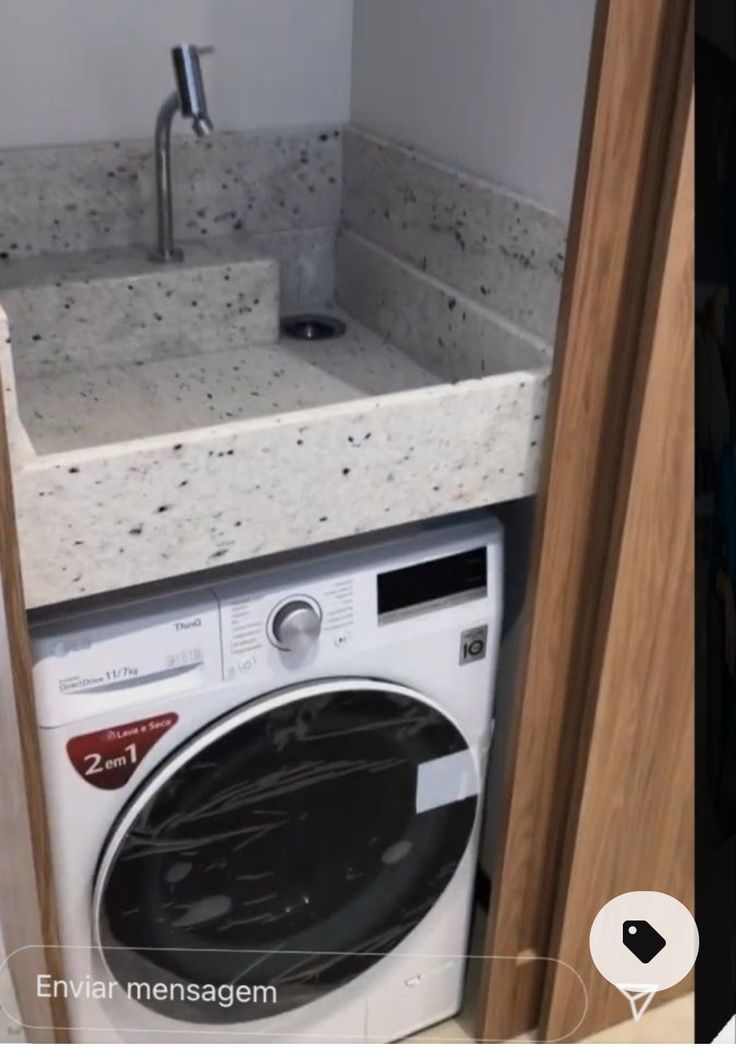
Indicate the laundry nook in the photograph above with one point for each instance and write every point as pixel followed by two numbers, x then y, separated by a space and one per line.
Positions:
pixel 289 310
pixel 217 362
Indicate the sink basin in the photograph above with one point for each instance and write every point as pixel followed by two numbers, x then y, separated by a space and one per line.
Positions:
pixel 118 403
pixel 159 423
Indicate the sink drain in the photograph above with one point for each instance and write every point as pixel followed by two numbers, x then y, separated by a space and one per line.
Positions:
pixel 312 327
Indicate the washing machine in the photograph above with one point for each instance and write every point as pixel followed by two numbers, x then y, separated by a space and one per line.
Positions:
pixel 264 794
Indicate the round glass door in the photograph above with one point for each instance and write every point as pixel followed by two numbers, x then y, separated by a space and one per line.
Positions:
pixel 291 845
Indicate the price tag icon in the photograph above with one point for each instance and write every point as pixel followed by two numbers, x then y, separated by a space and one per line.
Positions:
pixel 642 940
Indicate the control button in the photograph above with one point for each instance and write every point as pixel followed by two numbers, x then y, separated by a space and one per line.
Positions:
pixel 247 664
pixel 297 625
pixel 414 981
pixel 342 639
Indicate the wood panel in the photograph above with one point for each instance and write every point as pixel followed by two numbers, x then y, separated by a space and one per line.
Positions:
pixel 632 823
pixel 632 90
pixel 27 910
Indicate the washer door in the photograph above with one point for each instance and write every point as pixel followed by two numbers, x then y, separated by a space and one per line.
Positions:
pixel 290 845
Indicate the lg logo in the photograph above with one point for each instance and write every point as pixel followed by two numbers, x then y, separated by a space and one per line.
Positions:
pixel 473 645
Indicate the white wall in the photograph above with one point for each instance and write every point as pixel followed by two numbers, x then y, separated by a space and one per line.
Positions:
pixel 496 86
pixel 85 70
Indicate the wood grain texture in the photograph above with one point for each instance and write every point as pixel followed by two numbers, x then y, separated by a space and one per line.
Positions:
pixel 632 822
pixel 631 96
pixel 27 908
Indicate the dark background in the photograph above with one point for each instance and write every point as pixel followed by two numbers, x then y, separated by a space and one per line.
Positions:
pixel 715 503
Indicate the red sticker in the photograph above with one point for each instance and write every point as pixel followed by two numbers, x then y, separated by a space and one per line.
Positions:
pixel 107 759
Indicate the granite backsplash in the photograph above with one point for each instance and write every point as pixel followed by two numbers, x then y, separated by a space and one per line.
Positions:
pixel 72 198
pixel 500 250
pixel 398 214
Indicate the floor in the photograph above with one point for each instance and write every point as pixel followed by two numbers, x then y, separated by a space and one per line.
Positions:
pixel 670 1024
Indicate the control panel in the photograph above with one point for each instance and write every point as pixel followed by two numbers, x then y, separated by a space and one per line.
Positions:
pixel 287 628
pixel 258 627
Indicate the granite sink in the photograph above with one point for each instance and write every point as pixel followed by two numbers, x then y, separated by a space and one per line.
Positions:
pixel 109 348
pixel 87 408
pixel 160 424
pixel 157 437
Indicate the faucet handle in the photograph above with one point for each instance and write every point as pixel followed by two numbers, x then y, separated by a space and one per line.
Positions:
pixel 207 49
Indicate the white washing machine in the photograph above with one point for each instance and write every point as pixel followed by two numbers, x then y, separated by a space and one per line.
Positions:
pixel 264 795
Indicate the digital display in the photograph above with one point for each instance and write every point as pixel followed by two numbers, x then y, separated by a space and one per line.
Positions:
pixel 456 576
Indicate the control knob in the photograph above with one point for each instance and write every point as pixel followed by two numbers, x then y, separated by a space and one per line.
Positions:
pixel 297 625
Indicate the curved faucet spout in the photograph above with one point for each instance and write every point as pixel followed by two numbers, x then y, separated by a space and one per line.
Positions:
pixel 165 252
pixel 189 100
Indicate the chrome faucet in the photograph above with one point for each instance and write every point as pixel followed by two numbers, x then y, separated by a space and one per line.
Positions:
pixel 189 100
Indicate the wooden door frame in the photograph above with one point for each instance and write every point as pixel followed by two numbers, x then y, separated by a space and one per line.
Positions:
pixel 27 906
pixel 631 824
pixel 633 132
